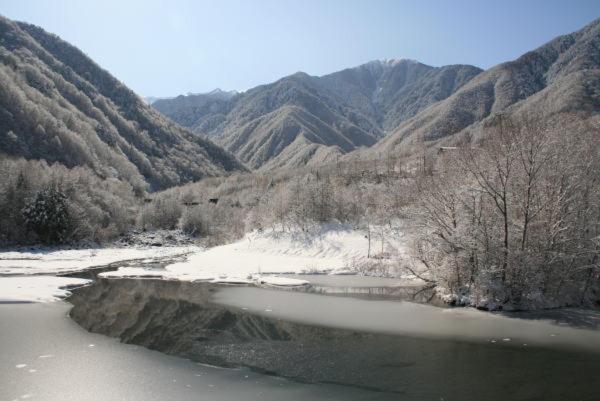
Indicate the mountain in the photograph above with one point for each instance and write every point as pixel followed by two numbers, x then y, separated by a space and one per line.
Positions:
pixel 198 111
pixel 560 78
pixel 302 119
pixel 385 106
pixel 391 91
pixel 57 105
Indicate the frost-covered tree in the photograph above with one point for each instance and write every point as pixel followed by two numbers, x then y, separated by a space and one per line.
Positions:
pixel 512 220
pixel 47 214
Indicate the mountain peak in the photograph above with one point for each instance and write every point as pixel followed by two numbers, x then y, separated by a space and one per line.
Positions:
pixel 392 62
pixel 300 74
pixel 221 92
pixel 215 93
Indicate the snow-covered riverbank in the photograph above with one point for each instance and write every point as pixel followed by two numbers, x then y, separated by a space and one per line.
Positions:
pixel 258 258
pixel 327 249
pixel 37 288
pixel 51 261
pixel 30 276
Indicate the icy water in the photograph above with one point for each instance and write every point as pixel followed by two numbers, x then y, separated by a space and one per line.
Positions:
pixel 366 287
pixel 367 349
pixel 44 355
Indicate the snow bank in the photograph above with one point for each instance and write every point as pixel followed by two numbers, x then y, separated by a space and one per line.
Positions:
pixel 325 249
pixel 232 280
pixel 140 272
pixel 260 256
pixel 27 273
pixel 36 288
pixel 133 272
pixel 61 261
pixel 281 281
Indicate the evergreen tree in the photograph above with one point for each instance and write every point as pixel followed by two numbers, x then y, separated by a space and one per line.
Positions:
pixel 47 214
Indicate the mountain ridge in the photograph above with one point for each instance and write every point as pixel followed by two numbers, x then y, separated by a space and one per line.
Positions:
pixel 58 105
pixel 511 84
pixel 343 110
pixel 389 105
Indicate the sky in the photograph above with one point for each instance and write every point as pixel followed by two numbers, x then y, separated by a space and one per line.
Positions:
pixel 166 48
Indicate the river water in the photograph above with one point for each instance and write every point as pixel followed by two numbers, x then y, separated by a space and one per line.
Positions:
pixel 47 356
pixel 347 347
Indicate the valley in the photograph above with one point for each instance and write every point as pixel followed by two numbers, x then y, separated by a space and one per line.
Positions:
pixel 385 230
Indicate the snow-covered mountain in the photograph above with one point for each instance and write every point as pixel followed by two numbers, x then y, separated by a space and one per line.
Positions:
pixel 57 105
pixel 302 119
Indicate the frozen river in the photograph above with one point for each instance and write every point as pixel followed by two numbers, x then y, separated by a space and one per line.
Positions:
pixel 47 356
pixel 340 338
pixel 372 349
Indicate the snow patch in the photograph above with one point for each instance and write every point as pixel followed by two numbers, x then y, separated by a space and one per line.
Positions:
pixel 45 261
pixel 37 288
pixel 325 249
pixel 262 255
pixel 138 272
pixel 133 272
pixel 232 280
pixel 281 281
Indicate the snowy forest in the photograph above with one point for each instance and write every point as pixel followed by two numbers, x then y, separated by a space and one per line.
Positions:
pixel 510 218
pixel 496 190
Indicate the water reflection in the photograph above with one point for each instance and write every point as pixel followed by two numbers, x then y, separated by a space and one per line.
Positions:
pixel 367 287
pixel 407 318
pixel 46 356
pixel 388 348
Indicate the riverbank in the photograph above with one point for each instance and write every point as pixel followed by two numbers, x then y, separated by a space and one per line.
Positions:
pixel 325 249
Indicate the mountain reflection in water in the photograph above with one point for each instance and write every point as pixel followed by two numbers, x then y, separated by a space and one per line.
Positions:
pixel 400 350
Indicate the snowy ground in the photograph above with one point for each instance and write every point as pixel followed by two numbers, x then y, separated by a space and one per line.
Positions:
pixel 28 276
pixel 45 261
pixel 259 256
pixel 36 288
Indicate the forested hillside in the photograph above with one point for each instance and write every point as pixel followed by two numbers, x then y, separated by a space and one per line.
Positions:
pixel 58 105
pixel 78 149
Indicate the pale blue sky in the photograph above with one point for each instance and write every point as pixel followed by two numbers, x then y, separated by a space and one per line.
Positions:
pixel 164 48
